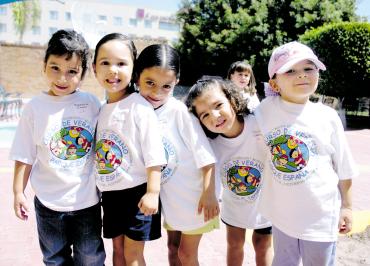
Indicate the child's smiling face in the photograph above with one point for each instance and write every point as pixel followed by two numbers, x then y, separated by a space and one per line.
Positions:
pixel 298 83
pixel 216 113
pixel 63 74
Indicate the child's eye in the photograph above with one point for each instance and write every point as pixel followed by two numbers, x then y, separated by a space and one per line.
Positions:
pixel 149 83
pixel 290 71
pixel 73 72
pixel 55 68
pixel 167 87
pixel 310 69
pixel 203 116
pixel 104 63
pixel 219 105
pixel 121 64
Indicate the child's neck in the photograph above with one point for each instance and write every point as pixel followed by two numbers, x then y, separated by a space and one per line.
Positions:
pixel 117 96
pixel 236 129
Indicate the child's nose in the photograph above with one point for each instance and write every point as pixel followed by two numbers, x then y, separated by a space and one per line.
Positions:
pixel 216 114
pixel 113 69
pixel 62 78
pixel 302 74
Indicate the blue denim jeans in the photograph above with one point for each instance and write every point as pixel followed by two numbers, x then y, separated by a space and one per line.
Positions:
pixel 60 233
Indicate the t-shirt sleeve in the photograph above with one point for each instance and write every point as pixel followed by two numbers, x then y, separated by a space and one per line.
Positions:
pixel 343 162
pixel 24 146
pixel 195 139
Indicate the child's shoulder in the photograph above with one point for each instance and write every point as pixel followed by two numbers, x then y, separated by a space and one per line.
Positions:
pixel 323 109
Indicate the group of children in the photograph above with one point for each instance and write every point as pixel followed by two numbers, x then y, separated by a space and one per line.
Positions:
pixel 143 152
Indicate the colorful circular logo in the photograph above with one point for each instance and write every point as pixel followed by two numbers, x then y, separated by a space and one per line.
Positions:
pixel 71 143
pixel 243 180
pixel 108 156
pixel 289 154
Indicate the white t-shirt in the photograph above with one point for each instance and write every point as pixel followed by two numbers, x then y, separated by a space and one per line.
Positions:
pixel 309 154
pixel 55 135
pixel 253 100
pixel 187 150
pixel 240 165
pixel 128 141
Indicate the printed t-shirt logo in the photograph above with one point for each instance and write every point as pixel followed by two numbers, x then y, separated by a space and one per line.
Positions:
pixel 171 157
pixel 289 154
pixel 242 177
pixel 113 159
pixel 71 143
pixel 290 149
pixel 108 156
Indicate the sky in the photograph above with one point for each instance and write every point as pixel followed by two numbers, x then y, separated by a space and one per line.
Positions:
pixel 166 5
pixel 363 6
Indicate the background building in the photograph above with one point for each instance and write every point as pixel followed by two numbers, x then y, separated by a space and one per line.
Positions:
pixel 93 18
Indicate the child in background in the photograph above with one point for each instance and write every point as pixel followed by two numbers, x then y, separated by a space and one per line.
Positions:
pixel 66 199
pixel 188 195
pixel 129 154
pixel 237 143
pixel 241 74
pixel 307 192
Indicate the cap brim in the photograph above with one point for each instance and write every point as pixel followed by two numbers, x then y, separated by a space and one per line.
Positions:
pixel 291 63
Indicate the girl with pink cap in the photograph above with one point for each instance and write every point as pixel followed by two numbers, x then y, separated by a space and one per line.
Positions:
pixel 309 204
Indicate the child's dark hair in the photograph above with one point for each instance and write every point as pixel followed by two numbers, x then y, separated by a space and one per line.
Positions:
pixel 241 66
pixel 69 42
pixel 120 37
pixel 232 93
pixel 157 55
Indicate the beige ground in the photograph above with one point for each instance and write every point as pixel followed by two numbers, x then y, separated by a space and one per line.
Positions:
pixel 354 250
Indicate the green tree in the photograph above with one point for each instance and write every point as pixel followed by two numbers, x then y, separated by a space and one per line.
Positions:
pixel 26 14
pixel 345 50
pixel 217 32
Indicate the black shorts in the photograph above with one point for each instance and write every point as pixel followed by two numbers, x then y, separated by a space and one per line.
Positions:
pixel 261 231
pixel 122 216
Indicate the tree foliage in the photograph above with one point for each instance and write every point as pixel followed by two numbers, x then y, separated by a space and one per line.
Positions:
pixel 25 14
pixel 216 33
pixel 345 50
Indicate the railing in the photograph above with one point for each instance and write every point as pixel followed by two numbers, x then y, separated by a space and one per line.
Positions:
pixel 10 105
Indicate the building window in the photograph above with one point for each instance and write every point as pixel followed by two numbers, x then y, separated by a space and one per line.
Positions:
pixel 2 27
pixel 147 23
pixel 102 18
pixel 68 16
pixel 3 10
pixel 168 26
pixel 133 22
pixel 36 30
pixel 52 30
pixel 117 21
pixel 53 15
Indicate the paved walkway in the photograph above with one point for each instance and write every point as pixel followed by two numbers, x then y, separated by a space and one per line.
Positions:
pixel 19 243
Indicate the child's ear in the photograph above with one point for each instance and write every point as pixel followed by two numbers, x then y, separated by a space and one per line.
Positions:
pixel 274 86
pixel 177 81
pixel 94 69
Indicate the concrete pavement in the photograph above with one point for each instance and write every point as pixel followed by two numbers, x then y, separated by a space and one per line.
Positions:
pixel 19 242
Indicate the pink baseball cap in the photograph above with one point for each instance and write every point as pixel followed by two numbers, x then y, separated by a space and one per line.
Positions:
pixel 287 55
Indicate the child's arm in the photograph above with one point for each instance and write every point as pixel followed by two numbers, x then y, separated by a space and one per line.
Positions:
pixel 345 216
pixel 21 175
pixel 149 202
pixel 208 201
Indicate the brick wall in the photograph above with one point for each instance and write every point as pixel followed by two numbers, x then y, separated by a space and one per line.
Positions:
pixel 21 69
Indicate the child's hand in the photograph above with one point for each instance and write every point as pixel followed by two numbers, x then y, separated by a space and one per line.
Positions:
pixel 21 206
pixel 345 220
pixel 209 204
pixel 149 203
